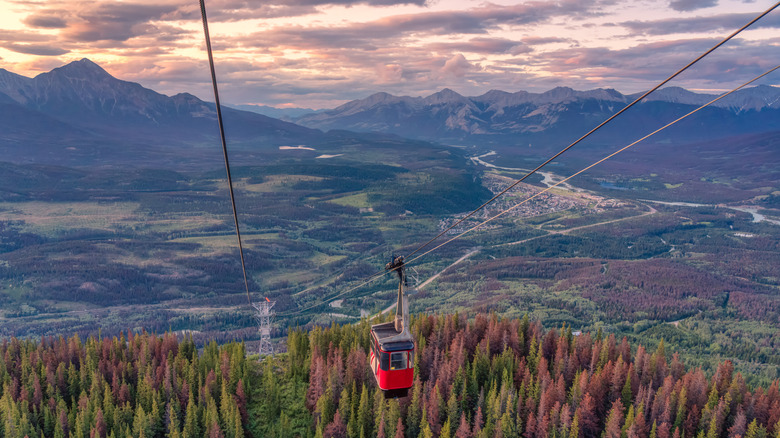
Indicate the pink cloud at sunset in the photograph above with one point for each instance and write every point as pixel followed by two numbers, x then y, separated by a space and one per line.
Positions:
pixel 321 53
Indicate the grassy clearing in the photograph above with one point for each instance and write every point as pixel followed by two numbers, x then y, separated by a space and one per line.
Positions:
pixel 15 292
pixel 227 242
pixel 288 277
pixel 414 179
pixel 359 200
pixel 53 218
pixel 273 183
pixel 323 259
pixel 173 223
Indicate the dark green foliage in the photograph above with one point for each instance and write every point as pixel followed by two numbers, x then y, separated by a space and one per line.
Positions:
pixel 485 377
pixel 141 385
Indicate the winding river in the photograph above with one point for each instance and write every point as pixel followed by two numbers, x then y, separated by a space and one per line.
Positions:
pixel 757 217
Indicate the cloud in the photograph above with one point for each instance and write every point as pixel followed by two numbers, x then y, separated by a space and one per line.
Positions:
pixel 483 45
pixel 20 36
pixel 263 11
pixel 114 22
pixel 383 31
pixel 691 5
pixel 457 66
pixel 389 73
pixel 701 24
pixel 399 53
pixel 629 70
pixel 35 49
pixel 46 21
pixel 366 2
pixel 533 40
pixel 238 10
pixel 325 58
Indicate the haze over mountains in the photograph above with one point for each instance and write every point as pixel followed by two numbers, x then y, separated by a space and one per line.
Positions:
pixel 78 112
pixel 522 117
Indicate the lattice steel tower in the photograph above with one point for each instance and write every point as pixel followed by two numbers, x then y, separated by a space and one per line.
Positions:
pixel 264 315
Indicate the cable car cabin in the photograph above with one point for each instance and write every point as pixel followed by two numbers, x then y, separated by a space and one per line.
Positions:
pixel 392 359
pixel 392 345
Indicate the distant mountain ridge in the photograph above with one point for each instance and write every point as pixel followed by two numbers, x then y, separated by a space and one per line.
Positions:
pixel 449 116
pixel 80 104
pixel 81 114
pixel 286 114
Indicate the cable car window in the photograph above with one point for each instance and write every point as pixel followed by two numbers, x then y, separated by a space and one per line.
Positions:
pixel 398 360
pixel 411 359
pixel 384 361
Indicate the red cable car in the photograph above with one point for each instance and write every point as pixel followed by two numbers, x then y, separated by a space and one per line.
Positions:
pixel 392 345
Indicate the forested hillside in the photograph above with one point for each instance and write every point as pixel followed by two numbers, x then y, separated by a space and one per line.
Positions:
pixel 483 377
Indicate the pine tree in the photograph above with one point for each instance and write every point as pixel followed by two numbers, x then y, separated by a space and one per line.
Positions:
pixel 380 410
pixel 365 421
pixel 399 429
pixel 241 401
pixel 612 427
pixel 100 424
pixel 191 423
pixel 507 425
pixel 336 429
pixel 682 400
pixel 629 421
pixel 211 420
pixel 414 411
pixel 345 405
pixel 325 408
pixel 626 393
pixel 173 421
pixel 755 430
pixel 141 423
pixel 445 430
pixel 380 427
pixel 155 418
pixel 477 429
pixel 574 432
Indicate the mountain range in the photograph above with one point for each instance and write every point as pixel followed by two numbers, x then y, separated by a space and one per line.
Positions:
pixel 80 111
pixel 555 115
pixel 80 114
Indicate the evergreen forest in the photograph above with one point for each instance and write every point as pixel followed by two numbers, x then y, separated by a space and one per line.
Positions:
pixel 483 376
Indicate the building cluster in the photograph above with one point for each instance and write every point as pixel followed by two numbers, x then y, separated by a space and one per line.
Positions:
pixel 517 204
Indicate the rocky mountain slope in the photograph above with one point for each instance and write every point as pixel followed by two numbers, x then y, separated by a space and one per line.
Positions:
pixel 523 117
pixel 81 106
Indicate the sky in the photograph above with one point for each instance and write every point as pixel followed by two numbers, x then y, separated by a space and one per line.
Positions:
pixel 323 53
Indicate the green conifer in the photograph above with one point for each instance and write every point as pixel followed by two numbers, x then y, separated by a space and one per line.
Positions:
pixel 191 423
pixel 574 432
pixel 626 393
pixel 445 430
pixel 414 411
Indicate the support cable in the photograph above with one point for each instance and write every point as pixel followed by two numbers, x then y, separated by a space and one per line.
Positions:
pixel 662 83
pixel 368 280
pixel 593 165
pixel 379 274
pixel 224 144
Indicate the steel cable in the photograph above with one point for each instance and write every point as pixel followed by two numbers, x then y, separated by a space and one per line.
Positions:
pixel 379 274
pixel 514 184
pixel 592 165
pixel 224 144
pixel 662 83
